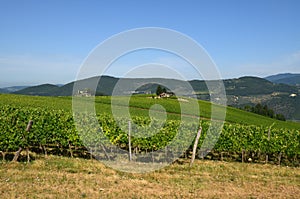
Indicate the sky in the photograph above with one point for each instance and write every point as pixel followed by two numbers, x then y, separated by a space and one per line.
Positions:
pixel 48 41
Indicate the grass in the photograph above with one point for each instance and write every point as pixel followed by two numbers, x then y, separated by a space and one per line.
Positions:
pixel 60 177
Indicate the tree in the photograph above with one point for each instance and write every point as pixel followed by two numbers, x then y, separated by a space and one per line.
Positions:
pixel 248 108
pixel 265 111
pixel 159 90
pixel 280 117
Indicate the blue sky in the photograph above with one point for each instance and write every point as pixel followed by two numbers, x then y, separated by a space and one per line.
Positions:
pixel 47 41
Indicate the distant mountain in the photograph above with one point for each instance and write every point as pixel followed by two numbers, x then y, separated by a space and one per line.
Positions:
pixel 244 86
pixel 285 78
pixel 277 77
pixel 3 90
pixel 247 86
pixel 43 90
pixel 281 97
pixel 12 89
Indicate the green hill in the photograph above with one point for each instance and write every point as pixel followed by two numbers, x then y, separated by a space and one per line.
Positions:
pixel 42 90
pixel 12 89
pixel 139 106
pixel 243 86
pixel 286 78
pixel 240 92
pixel 247 86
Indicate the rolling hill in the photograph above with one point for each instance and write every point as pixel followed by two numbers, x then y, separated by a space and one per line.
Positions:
pixel 244 86
pixel 12 89
pixel 285 78
pixel 140 105
pixel 3 90
pixel 42 90
pixel 240 91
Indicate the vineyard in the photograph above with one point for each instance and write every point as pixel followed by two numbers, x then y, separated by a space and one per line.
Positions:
pixel 53 132
pixel 139 106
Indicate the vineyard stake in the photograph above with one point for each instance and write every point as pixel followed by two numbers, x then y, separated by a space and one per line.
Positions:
pixel 3 155
pixel 269 135
pixel 279 158
pixel 195 146
pixel 17 154
pixel 129 140
pixel 243 155
pixel 106 155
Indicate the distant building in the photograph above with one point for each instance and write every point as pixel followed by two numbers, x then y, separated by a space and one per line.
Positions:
pixel 140 92
pixel 274 94
pixel 84 93
pixel 166 95
pixel 235 99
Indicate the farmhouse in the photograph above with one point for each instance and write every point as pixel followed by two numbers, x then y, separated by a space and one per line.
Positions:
pixel 84 93
pixel 166 95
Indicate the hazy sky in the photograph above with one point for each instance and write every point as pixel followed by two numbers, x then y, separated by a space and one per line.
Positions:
pixel 47 41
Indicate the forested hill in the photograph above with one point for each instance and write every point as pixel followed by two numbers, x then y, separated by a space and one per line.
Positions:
pixel 285 78
pixel 282 98
pixel 244 86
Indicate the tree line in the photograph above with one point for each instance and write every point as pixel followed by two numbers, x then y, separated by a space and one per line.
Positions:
pixel 265 111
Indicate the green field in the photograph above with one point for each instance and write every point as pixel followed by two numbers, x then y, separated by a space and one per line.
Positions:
pixel 139 106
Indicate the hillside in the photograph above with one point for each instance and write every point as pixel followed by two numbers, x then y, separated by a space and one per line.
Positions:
pixel 240 91
pixel 12 89
pixel 246 86
pixel 3 90
pixel 54 119
pixel 42 90
pixel 285 78
pixel 251 91
pixel 243 86
pixel 139 106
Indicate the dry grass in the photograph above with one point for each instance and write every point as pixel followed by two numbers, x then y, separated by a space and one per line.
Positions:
pixel 59 177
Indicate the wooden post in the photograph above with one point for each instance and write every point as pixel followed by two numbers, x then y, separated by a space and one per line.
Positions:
pixel 27 153
pixel 243 155
pixel 269 135
pixel 195 146
pixel 106 155
pixel 152 156
pixel 45 150
pixel 70 149
pixel 3 155
pixel 29 125
pixel 17 154
pixel 129 140
pixel 279 158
